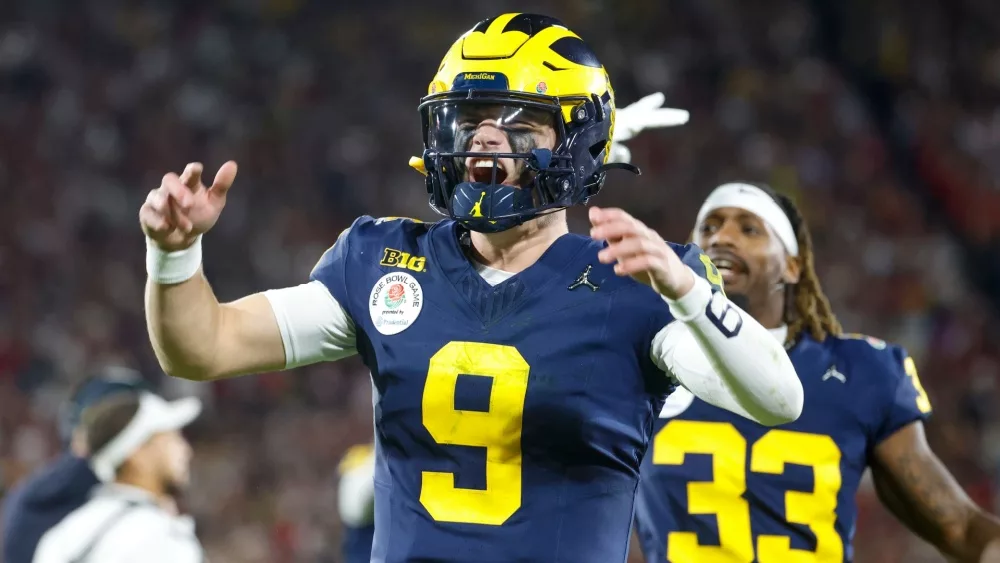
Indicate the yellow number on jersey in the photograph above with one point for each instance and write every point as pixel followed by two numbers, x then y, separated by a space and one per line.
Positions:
pixel 722 495
pixel 818 509
pixel 923 401
pixel 498 430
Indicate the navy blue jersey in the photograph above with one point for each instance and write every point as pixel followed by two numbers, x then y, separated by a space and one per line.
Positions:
pixel 719 488
pixel 510 420
pixel 41 502
pixel 357 547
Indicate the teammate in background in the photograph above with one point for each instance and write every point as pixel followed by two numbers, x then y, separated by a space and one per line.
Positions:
pixel 720 488
pixel 143 462
pixel 356 502
pixel 517 368
pixel 45 498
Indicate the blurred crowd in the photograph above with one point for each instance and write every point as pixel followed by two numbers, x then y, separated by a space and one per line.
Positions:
pixel 317 103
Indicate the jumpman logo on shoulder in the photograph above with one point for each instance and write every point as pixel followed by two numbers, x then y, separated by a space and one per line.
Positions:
pixel 584 280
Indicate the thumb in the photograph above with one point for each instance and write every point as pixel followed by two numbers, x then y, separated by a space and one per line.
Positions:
pixel 224 179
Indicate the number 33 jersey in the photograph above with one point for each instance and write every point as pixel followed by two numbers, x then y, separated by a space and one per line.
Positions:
pixel 718 488
pixel 510 419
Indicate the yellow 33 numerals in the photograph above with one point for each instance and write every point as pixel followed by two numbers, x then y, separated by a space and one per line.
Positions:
pixel 723 495
pixel 498 430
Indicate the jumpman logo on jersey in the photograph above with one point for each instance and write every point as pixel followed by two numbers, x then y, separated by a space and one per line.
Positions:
pixel 834 373
pixel 477 208
pixel 584 280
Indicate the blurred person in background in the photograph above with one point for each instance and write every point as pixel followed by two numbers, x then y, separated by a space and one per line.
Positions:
pixel 762 489
pixel 356 502
pixel 143 462
pixel 46 497
pixel 518 125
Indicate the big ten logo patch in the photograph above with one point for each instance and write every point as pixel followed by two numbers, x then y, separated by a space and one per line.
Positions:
pixel 399 259
pixel 395 302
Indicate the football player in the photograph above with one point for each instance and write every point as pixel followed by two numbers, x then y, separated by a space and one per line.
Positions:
pixel 356 502
pixel 723 489
pixel 36 505
pixel 517 369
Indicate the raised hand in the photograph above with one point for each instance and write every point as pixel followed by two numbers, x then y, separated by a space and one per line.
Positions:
pixel 182 208
pixel 639 116
pixel 639 252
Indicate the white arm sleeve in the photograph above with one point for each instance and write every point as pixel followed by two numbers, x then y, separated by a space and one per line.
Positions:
pixel 748 372
pixel 314 326
pixel 356 495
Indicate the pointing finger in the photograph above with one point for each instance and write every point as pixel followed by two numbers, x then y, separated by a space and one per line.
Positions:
pixel 600 215
pixel 615 230
pixel 177 190
pixel 191 177
pixel 626 248
pixel 635 265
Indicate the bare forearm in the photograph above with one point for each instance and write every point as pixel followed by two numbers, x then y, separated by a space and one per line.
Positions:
pixel 982 539
pixel 183 320
pixel 916 487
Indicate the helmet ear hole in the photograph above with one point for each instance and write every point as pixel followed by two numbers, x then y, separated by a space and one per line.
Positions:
pixel 596 149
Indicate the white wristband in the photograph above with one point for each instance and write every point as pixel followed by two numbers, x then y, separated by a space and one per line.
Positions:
pixel 172 267
pixel 689 306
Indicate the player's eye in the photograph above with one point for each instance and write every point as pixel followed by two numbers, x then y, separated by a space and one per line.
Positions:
pixel 707 228
pixel 751 230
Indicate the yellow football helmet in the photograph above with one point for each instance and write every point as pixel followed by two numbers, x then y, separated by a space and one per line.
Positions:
pixel 516 65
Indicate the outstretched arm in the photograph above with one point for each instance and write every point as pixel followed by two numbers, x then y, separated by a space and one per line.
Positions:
pixel 720 353
pixel 917 488
pixel 196 337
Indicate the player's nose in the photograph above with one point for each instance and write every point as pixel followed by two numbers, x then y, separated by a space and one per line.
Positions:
pixel 489 138
pixel 725 235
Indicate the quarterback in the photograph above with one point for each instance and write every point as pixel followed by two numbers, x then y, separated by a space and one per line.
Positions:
pixel 517 369
pixel 722 489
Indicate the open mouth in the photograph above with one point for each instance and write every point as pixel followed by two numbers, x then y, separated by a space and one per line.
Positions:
pixel 729 265
pixel 481 170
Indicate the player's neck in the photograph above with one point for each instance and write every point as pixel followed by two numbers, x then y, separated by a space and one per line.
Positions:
pixel 769 311
pixel 515 250
pixel 148 483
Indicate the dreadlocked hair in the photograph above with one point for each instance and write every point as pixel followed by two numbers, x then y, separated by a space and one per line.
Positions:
pixel 806 306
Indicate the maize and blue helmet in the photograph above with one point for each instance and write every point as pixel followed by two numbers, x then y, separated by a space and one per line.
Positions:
pixel 512 68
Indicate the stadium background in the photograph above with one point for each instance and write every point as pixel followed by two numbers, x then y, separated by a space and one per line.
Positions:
pixel 880 117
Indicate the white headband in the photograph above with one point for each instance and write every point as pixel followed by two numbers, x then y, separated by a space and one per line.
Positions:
pixel 756 201
pixel 155 415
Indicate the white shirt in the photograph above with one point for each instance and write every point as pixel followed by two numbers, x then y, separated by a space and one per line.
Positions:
pixel 749 374
pixel 120 524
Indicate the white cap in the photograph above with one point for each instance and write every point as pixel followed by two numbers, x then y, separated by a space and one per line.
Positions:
pixel 155 415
